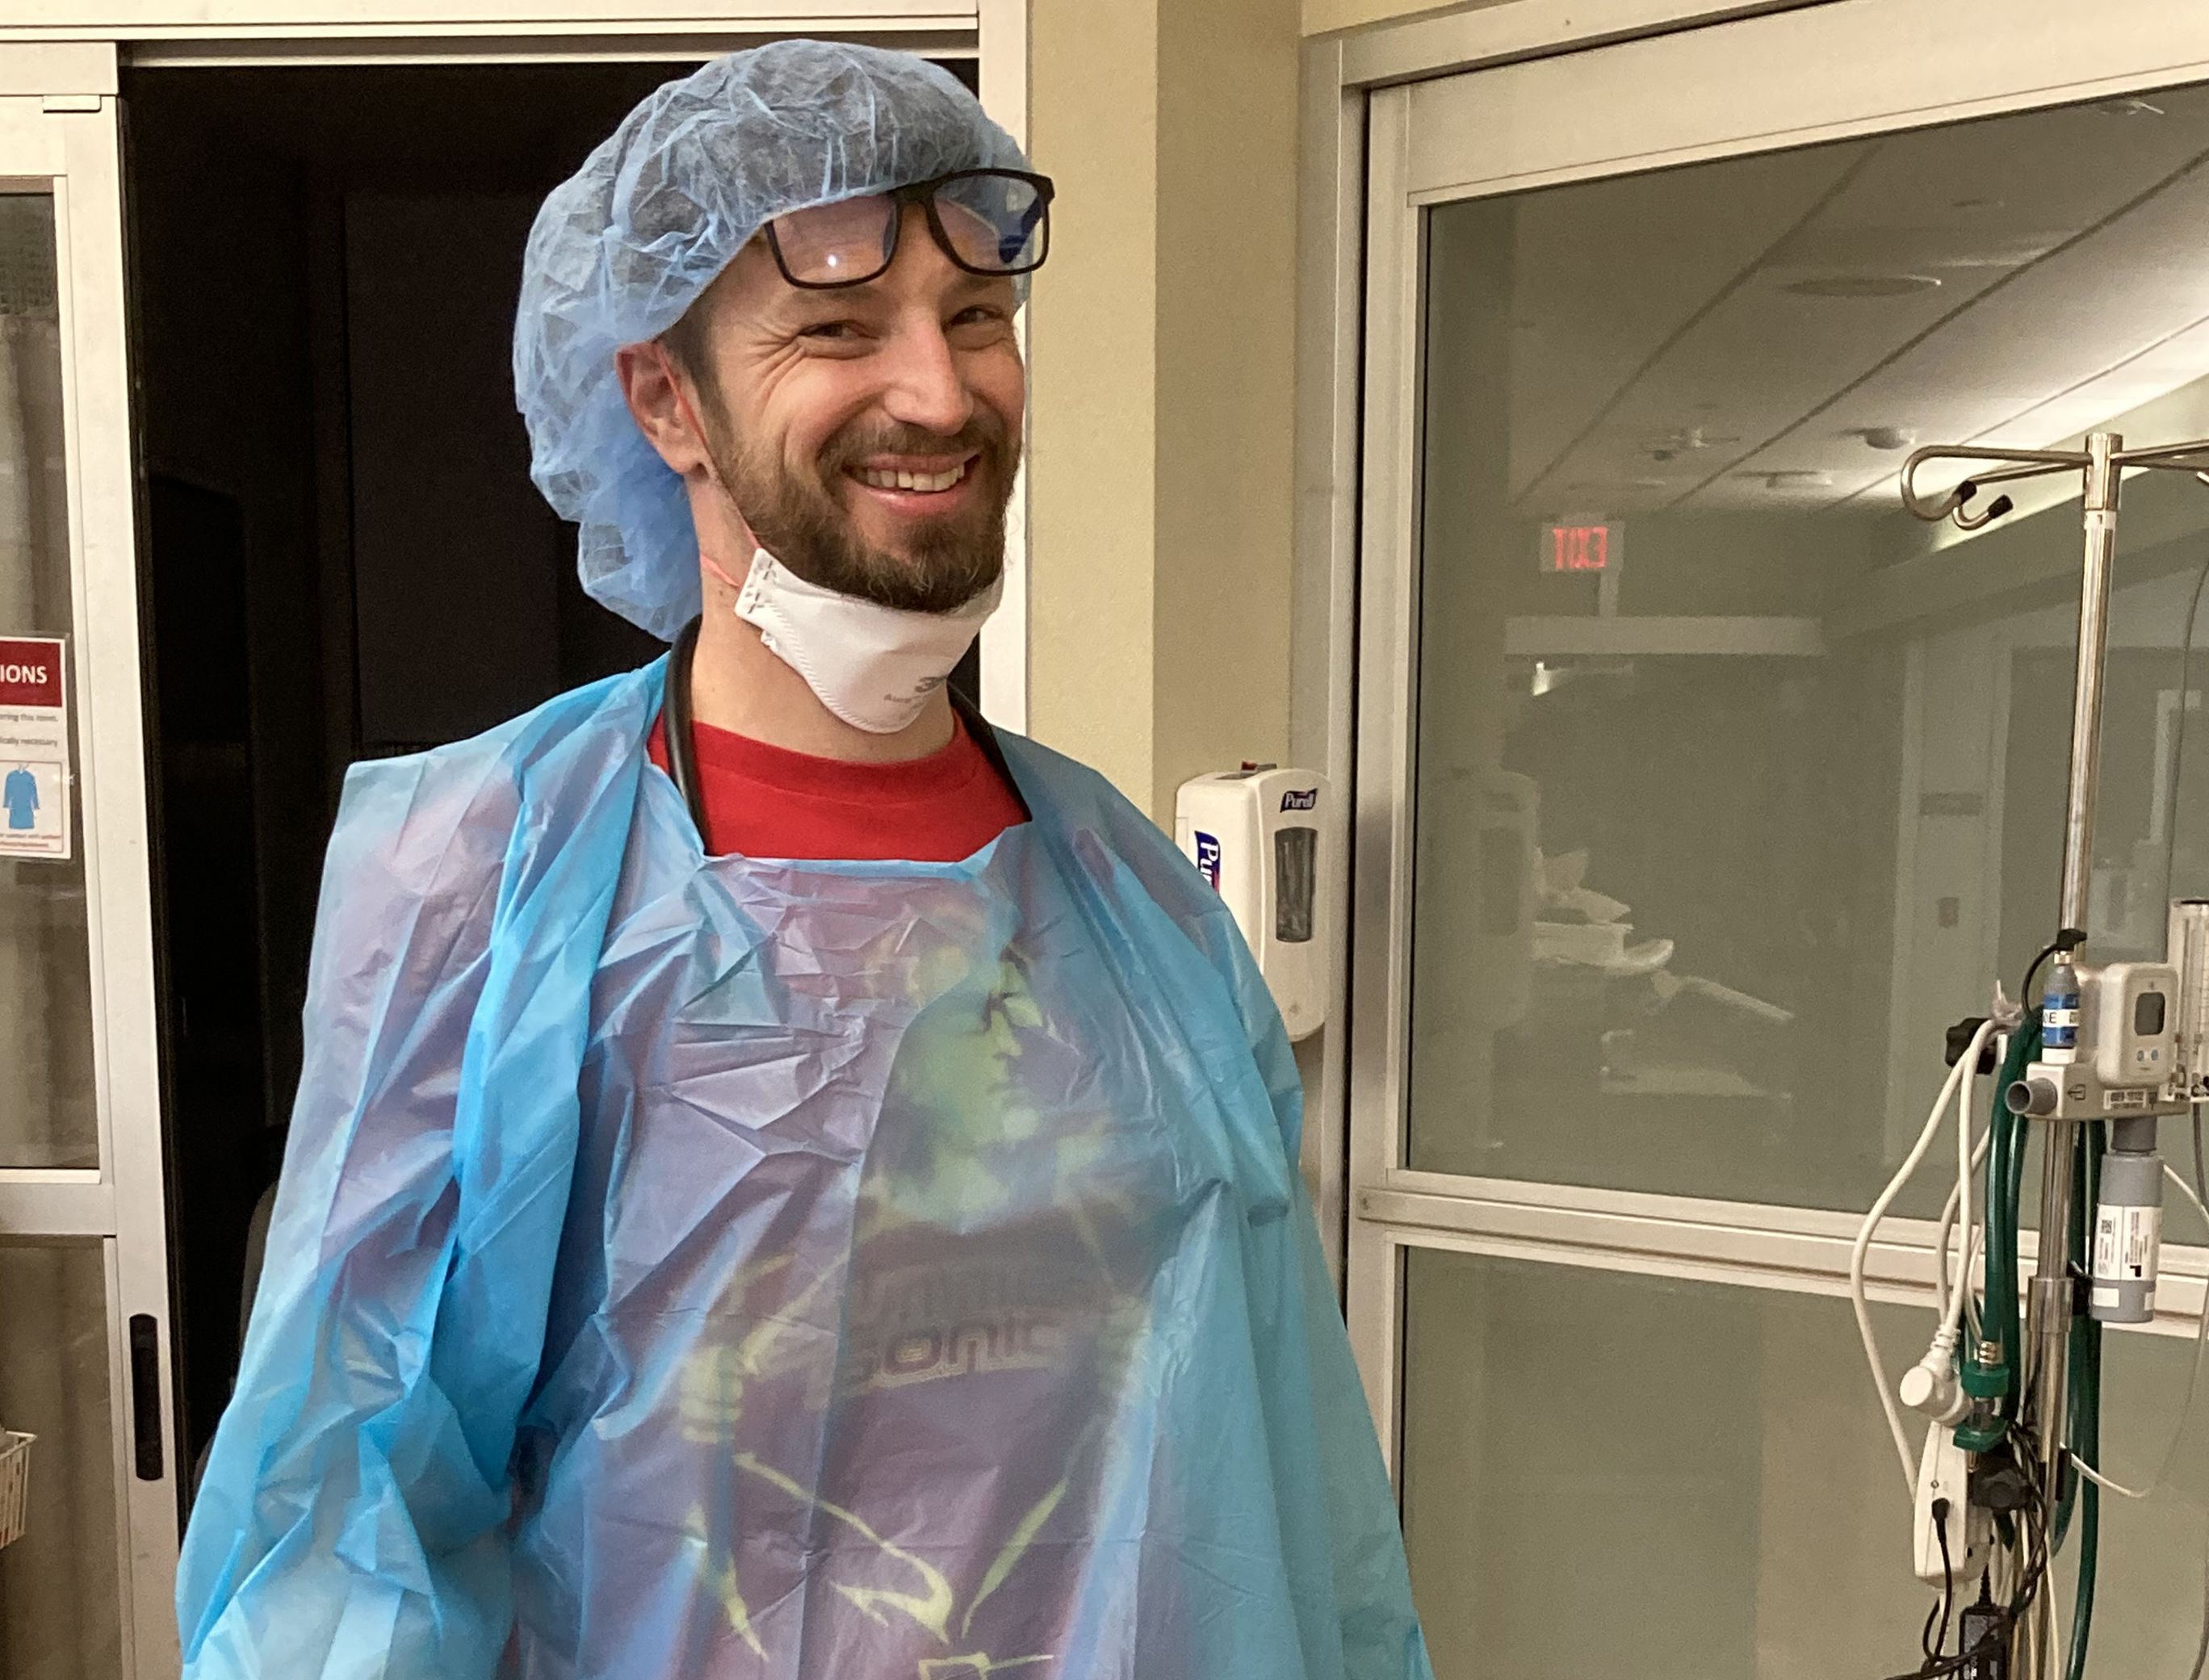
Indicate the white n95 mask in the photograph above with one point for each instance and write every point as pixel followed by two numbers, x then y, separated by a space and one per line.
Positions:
pixel 874 667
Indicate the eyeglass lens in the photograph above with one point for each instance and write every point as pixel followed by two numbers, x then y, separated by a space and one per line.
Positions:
pixel 992 223
pixel 838 243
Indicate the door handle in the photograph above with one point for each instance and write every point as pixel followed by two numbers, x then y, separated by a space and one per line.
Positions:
pixel 146 1394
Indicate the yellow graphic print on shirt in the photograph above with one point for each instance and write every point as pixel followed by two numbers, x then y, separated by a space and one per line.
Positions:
pixel 978 1258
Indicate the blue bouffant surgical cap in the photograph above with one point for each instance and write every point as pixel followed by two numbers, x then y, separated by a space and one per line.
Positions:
pixel 621 249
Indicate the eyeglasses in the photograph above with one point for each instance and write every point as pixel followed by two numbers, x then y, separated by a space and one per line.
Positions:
pixel 989 221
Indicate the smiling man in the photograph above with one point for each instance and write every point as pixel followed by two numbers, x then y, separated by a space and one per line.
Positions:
pixel 788 1181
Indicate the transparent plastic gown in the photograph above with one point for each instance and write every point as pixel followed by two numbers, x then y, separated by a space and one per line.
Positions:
pixel 691 1267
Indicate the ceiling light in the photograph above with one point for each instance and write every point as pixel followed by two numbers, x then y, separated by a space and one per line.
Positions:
pixel 1862 285
pixel 1685 441
pixel 1803 479
pixel 1886 438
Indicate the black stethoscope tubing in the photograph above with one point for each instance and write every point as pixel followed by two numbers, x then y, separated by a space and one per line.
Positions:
pixel 681 742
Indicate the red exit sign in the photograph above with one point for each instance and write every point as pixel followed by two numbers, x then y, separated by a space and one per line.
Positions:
pixel 1582 547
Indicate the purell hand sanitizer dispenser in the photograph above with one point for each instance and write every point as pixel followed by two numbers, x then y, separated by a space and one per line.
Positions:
pixel 1260 836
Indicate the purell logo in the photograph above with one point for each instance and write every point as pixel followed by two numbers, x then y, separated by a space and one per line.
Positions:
pixel 1307 800
pixel 1208 859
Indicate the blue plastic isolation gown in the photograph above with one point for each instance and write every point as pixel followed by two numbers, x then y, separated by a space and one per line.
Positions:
pixel 688 1267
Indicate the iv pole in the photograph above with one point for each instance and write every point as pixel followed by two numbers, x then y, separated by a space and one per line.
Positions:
pixel 2049 1306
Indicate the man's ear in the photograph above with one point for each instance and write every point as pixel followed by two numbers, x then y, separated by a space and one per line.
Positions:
pixel 662 413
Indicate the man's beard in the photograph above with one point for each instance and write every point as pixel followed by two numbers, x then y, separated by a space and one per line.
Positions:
pixel 799 518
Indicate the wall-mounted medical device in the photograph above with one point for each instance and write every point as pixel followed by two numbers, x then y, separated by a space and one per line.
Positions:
pixel 1259 834
pixel 2112 1050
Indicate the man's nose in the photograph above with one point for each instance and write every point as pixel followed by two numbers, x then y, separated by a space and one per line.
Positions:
pixel 924 386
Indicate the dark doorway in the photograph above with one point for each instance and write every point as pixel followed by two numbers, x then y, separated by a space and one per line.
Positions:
pixel 344 557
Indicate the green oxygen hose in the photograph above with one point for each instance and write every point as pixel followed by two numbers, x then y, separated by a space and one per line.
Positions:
pixel 2085 1405
pixel 2005 1182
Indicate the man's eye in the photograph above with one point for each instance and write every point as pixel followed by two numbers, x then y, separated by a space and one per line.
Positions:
pixel 830 329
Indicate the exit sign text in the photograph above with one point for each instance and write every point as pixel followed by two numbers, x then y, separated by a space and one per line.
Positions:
pixel 1580 547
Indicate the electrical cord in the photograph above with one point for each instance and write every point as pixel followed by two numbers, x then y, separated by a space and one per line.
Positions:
pixel 2201 1651
pixel 2061 942
pixel 2200 1178
pixel 1948 1575
pixel 2178 741
pixel 1959 1080
pixel 2022 1600
pixel 1940 1239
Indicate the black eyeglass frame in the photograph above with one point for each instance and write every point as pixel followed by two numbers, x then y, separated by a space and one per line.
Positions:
pixel 923 193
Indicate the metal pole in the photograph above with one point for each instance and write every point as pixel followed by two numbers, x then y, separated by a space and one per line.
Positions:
pixel 2101 519
pixel 2048 1308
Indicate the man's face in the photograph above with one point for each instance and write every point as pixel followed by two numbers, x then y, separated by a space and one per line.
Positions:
pixel 869 434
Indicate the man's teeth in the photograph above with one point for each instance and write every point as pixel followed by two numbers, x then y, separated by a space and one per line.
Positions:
pixel 880 478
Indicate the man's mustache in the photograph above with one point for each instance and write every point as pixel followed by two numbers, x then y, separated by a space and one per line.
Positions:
pixel 983 435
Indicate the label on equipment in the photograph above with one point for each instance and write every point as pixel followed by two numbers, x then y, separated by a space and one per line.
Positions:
pixel 1207 857
pixel 2133 1098
pixel 2125 1243
pixel 35 773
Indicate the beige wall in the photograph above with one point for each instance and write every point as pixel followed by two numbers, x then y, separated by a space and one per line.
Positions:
pixel 1321 16
pixel 1163 347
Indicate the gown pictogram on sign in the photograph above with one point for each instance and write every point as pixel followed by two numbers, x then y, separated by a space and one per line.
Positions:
pixel 34 757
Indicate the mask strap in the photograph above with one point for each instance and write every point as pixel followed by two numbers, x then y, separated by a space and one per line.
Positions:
pixel 712 471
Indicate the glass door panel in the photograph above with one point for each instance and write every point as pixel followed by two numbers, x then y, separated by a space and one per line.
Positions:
pixel 1698 789
pixel 1734 784
pixel 1612 1475
pixel 47 1115
pixel 86 1592
pixel 59 1585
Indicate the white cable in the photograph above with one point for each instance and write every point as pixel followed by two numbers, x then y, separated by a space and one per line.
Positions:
pixel 2101 1481
pixel 1931 1385
pixel 1948 1224
pixel 1954 1315
pixel 2186 1191
pixel 1959 1074
pixel 1976 1252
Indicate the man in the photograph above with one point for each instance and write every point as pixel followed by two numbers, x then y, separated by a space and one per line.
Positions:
pixel 787 1182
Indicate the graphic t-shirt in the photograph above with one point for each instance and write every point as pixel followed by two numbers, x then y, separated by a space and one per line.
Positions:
pixel 768 802
pixel 892 1424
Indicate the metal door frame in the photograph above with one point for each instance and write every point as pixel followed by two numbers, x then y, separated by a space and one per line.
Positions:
pixel 1425 113
pixel 58 125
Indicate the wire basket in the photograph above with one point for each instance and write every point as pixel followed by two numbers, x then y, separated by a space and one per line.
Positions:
pixel 14 1484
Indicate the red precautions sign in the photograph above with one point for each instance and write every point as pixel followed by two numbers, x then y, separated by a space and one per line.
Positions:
pixel 30 671
pixel 34 749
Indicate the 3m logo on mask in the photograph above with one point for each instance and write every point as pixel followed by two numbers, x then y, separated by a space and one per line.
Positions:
pixel 1307 800
pixel 1208 859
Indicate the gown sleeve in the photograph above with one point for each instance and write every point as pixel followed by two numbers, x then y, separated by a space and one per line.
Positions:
pixel 1379 1633
pixel 1360 1624
pixel 353 1516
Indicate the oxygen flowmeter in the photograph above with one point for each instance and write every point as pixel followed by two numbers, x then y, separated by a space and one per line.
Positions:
pixel 2111 1052
pixel 1259 835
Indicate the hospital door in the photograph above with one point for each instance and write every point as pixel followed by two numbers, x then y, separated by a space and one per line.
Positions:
pixel 1700 788
pixel 86 1577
